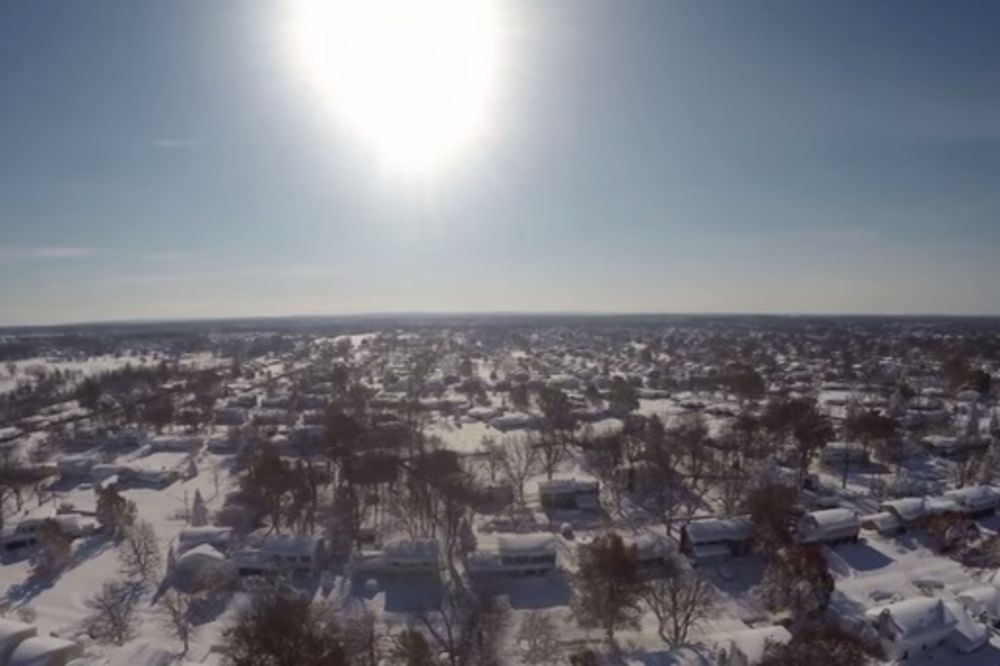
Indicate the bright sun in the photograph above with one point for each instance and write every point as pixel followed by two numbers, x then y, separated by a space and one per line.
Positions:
pixel 414 77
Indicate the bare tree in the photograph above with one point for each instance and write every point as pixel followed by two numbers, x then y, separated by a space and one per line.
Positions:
pixel 179 610
pixel 139 553
pixel 113 609
pixel 410 648
pixel 608 591
pixel 466 627
pixel 362 639
pixel 538 637
pixel 520 462
pixel 679 603
pixel 279 628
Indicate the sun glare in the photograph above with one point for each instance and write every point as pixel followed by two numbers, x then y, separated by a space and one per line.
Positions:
pixel 413 77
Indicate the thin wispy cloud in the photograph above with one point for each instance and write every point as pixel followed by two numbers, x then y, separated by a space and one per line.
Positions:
pixel 29 252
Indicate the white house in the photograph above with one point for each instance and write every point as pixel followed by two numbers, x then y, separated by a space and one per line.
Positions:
pixel 884 522
pixel 975 501
pixel 909 627
pixel 25 534
pixel 746 648
pixel 400 557
pixel 295 554
pixel 908 510
pixel 569 494
pixel 515 555
pixel 829 526
pixel 982 603
pixel 201 567
pixel 716 538
pixel 192 537
pixel 652 551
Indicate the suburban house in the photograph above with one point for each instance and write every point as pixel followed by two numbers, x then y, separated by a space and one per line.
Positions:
pixel 746 648
pixel 515 555
pixel 908 628
pixel 884 522
pixel 25 534
pixel 716 538
pixel 982 603
pixel 192 537
pixel 908 510
pixel 569 494
pixel 837 454
pixel 297 554
pixel 829 526
pixel 652 551
pixel 410 558
pixel 975 501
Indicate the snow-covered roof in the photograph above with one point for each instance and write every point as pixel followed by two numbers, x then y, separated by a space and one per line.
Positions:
pixel 568 486
pixel 205 534
pixel 974 496
pixel 719 529
pixel 526 543
pixel 884 521
pixel 204 551
pixel 917 616
pixel 751 643
pixel 833 520
pixel 908 509
pixel 290 544
pixel 43 651
pixel 985 598
pixel 411 549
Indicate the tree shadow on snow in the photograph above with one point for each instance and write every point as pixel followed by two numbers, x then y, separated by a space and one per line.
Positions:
pixel 859 557
pixel 541 592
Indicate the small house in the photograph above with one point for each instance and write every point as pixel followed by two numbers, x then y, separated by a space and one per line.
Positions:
pixel 515 556
pixel 716 538
pixel 975 501
pixel 908 510
pixel 408 558
pixel 746 648
pixel 569 495
pixel 192 537
pixel 908 628
pixel 829 526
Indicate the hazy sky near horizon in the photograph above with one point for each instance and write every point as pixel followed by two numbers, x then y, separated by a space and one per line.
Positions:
pixel 167 160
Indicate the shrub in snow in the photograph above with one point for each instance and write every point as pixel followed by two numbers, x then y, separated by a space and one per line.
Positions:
pixel 113 612
pixel 199 510
pixel 54 549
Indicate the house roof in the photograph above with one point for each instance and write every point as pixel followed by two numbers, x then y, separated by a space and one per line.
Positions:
pixel 908 509
pixel 832 520
pixel 751 643
pixel 525 543
pixel 411 549
pixel 914 617
pixel 974 496
pixel 719 529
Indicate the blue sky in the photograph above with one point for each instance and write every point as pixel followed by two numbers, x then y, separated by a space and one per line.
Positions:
pixel 166 160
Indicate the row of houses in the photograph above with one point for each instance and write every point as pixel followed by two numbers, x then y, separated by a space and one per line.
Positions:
pixel 897 516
